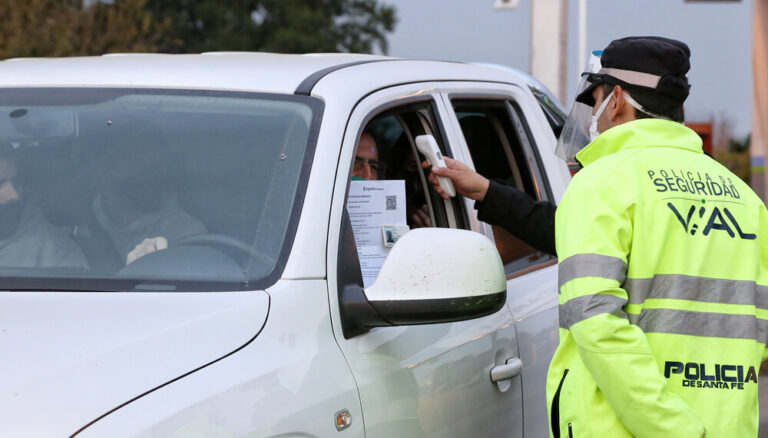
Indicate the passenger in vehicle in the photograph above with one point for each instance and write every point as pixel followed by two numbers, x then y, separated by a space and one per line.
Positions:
pixel 367 164
pixel 27 239
pixel 135 205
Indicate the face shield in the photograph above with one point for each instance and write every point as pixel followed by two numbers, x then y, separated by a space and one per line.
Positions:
pixel 575 134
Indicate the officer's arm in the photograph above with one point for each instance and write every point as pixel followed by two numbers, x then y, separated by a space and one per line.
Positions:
pixel 593 239
pixel 514 210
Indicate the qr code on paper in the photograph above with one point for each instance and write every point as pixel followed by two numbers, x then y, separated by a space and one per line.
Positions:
pixel 392 202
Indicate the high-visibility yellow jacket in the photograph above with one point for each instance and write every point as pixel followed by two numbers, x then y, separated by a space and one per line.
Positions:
pixel 663 280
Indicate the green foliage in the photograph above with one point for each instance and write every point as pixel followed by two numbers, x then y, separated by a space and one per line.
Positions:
pixel 36 27
pixel 287 26
pixel 70 27
pixel 736 158
pixel 125 26
pixel 736 162
pixel 735 145
pixel 67 28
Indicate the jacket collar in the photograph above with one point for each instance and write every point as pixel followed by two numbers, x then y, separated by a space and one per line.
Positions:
pixel 640 133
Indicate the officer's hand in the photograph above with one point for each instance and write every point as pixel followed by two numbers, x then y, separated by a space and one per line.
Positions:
pixel 466 181
pixel 148 246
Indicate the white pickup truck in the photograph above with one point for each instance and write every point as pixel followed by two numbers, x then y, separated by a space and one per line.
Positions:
pixel 186 262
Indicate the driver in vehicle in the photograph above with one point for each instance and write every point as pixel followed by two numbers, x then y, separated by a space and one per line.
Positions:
pixel 27 238
pixel 367 165
pixel 135 205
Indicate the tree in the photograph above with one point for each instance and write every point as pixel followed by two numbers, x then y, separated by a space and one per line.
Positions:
pixel 739 146
pixel 68 27
pixel 288 26
pixel 124 26
pixel 37 28
pixel 80 27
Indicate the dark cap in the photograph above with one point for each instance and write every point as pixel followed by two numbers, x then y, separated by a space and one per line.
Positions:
pixel 652 69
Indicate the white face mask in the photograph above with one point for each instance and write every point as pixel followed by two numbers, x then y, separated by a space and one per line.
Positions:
pixel 593 132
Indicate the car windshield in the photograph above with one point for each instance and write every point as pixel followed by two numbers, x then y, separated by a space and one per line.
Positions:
pixel 138 189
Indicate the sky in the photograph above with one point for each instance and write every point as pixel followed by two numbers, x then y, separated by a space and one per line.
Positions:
pixel 718 33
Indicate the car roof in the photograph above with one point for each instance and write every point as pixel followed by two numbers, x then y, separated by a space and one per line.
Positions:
pixel 245 71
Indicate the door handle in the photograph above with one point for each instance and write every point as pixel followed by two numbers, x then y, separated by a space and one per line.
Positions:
pixel 513 367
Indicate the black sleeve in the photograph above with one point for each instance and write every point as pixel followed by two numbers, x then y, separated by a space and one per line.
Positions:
pixel 531 221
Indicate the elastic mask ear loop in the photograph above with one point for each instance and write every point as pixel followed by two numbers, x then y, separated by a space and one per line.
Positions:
pixel 593 132
pixel 639 107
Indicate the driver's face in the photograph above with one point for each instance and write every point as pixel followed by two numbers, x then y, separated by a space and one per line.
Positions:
pixel 10 191
pixel 366 159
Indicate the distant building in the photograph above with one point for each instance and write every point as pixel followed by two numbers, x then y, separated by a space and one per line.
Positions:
pixel 705 132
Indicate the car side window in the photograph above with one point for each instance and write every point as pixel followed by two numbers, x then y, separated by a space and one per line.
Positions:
pixel 503 150
pixel 386 156
pixel 552 110
pixel 393 133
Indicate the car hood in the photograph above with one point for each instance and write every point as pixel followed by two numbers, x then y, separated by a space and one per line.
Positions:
pixel 69 358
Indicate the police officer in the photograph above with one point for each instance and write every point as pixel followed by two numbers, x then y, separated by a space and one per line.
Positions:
pixel 663 271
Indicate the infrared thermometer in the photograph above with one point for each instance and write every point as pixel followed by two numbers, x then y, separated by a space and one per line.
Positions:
pixel 427 145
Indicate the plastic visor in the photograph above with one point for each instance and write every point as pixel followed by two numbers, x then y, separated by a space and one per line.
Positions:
pixel 575 134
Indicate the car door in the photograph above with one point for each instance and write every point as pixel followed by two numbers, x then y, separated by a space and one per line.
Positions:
pixel 429 380
pixel 506 137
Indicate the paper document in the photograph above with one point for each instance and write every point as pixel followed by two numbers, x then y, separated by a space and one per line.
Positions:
pixel 376 207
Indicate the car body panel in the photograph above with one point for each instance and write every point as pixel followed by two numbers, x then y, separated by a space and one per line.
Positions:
pixel 426 380
pixel 75 356
pixel 534 306
pixel 530 297
pixel 289 381
pixel 242 71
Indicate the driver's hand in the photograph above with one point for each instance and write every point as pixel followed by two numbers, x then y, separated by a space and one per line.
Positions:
pixel 420 217
pixel 466 181
pixel 148 246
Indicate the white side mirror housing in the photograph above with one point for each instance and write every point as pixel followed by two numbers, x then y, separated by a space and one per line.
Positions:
pixel 435 275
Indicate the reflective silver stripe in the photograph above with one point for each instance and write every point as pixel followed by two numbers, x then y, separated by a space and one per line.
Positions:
pixel 591 265
pixel 633 77
pixel 705 324
pixel 707 290
pixel 581 308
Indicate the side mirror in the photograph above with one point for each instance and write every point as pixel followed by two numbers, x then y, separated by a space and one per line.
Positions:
pixel 431 275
